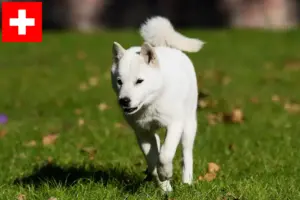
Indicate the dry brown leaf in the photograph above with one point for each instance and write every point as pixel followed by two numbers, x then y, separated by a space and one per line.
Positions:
pixel 52 198
pixel 203 103
pixel 103 106
pixel 78 111
pixel 21 197
pixel 232 147
pixel 50 159
pixel 93 81
pixel 207 103
pixel 226 80
pixel 119 125
pixel 212 119
pixel 292 65
pixel 207 177
pixel 81 55
pixel 292 107
pixel 83 86
pixel 254 100
pixel 91 151
pixel 81 122
pixel 213 167
pixel 236 116
pixel 275 98
pixel 50 139
pixel 2 133
pixel 31 143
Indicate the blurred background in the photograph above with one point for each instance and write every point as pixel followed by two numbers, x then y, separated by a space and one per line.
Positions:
pixel 88 15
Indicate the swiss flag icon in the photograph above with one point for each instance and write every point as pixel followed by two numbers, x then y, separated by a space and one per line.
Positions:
pixel 22 22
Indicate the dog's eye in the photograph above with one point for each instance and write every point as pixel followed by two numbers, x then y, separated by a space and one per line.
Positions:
pixel 119 81
pixel 139 81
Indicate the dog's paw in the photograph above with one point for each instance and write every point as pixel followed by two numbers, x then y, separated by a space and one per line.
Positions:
pixel 165 186
pixel 164 171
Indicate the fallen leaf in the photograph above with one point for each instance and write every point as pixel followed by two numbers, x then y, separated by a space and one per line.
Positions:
pixel 2 133
pixel 103 106
pixel 81 122
pixel 232 147
pixel 226 80
pixel 93 81
pixel 83 86
pixel 30 143
pixel 52 198
pixel 203 103
pixel 50 160
pixel 207 177
pixel 21 197
pixel 91 152
pixel 292 107
pixel 50 139
pixel 78 111
pixel 275 98
pixel 212 119
pixel 213 167
pixel 236 116
pixel 292 65
pixel 254 100
pixel 81 55
pixel 119 125
pixel 207 103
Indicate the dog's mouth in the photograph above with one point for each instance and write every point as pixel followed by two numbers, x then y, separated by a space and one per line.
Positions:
pixel 130 111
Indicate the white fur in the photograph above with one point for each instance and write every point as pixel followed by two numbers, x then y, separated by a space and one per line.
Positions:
pixel 158 31
pixel 166 98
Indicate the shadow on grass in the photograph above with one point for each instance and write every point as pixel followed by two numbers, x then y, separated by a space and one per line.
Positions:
pixel 55 175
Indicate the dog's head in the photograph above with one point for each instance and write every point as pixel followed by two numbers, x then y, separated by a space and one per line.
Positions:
pixel 135 76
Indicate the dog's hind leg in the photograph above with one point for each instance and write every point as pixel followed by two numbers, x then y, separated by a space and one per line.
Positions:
pixel 187 141
pixel 150 146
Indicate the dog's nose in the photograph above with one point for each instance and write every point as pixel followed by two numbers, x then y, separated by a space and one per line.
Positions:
pixel 124 101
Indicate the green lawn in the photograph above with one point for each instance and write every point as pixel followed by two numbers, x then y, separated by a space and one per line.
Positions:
pixel 50 88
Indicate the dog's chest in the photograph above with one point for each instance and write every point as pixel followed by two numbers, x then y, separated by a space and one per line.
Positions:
pixel 149 120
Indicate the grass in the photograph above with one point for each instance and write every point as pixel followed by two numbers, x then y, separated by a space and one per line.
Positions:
pixel 40 93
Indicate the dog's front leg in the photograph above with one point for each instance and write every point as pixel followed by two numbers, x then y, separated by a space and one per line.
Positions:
pixel 168 150
pixel 150 146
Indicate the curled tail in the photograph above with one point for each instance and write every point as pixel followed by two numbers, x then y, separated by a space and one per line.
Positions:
pixel 158 31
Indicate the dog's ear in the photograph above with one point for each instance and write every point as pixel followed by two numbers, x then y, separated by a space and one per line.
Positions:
pixel 117 52
pixel 149 55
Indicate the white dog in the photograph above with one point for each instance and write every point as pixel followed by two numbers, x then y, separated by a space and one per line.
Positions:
pixel 157 87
